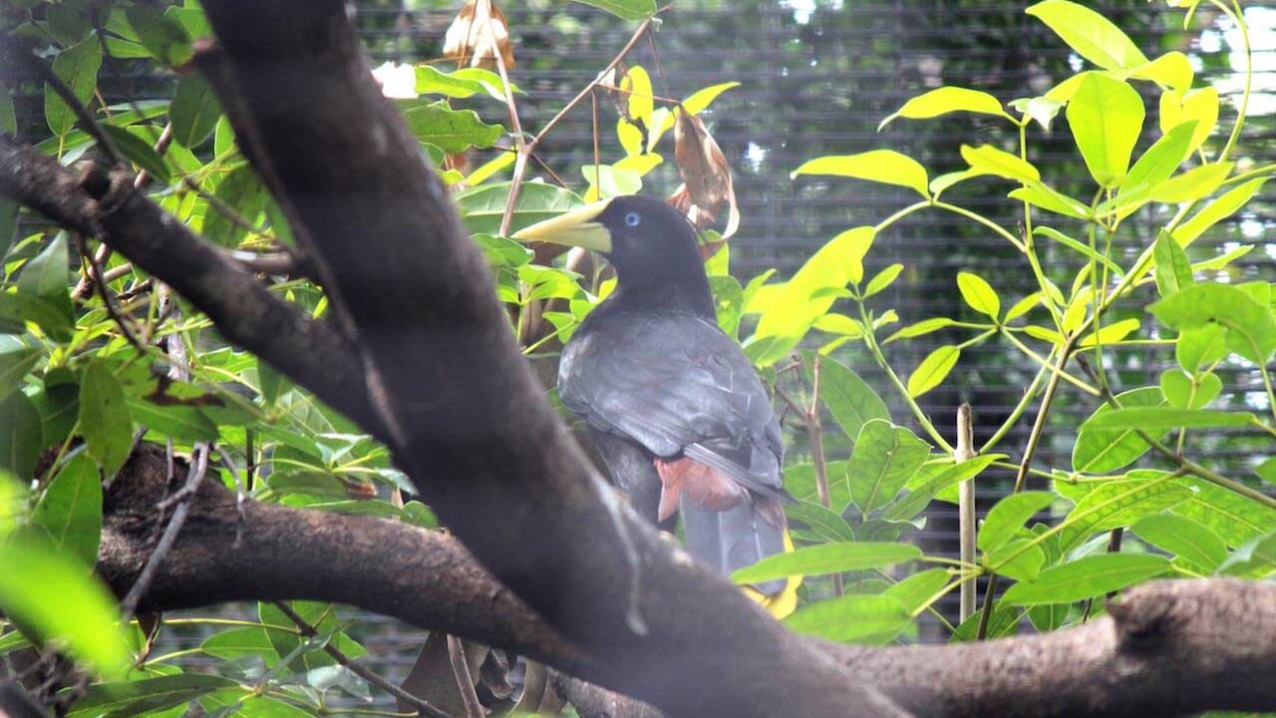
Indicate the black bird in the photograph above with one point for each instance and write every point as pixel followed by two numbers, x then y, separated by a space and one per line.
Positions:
pixel 677 412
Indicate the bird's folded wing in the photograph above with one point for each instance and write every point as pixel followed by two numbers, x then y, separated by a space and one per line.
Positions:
pixel 676 384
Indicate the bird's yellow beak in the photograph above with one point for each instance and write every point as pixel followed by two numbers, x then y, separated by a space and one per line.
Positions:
pixel 576 228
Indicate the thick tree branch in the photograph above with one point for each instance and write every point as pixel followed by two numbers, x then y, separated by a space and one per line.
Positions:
pixel 465 415
pixel 107 206
pixel 1169 648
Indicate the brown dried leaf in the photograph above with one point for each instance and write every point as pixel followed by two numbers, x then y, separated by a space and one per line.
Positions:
pixel 477 34
pixel 705 173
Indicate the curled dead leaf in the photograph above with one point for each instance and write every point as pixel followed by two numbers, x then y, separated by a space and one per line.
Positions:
pixel 705 174
pixel 477 35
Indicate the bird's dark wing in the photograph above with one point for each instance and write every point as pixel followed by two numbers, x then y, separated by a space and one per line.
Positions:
pixel 675 384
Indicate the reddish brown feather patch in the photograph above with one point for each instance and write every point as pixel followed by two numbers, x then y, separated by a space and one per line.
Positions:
pixel 703 484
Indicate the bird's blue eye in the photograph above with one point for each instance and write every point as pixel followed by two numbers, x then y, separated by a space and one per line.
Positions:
pixel 633 219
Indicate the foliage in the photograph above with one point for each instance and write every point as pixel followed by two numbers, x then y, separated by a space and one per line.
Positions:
pixel 84 372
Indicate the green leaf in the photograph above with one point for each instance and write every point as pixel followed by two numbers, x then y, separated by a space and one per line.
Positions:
pixel 139 151
pixel 71 509
pixel 701 99
pixel 163 36
pixel 1116 504
pixel 450 130
pixel 1172 69
pixel 240 642
pixel 1110 334
pixel 1199 106
pixel 922 328
pixel 8 119
pixel 1102 450
pixel 1008 516
pixel 932 481
pixel 853 618
pixel 979 294
pixel 1186 392
pixel 1041 109
pixel 1090 34
pixel 176 421
pixel 885 166
pixel 625 9
pixel 1216 211
pixel 1267 470
pixel 1173 268
pixel 77 67
pixel 1184 538
pixel 1198 346
pixel 105 421
pixel 1161 159
pixel 482 207
pixel 825 559
pixel 883 280
pixel 944 100
pixel 1251 328
pixel 21 435
pixel 243 193
pixel 16 360
pixel 194 111
pixel 850 399
pixel 147 695
pixel 1085 578
pixel 1050 200
pixel 916 591
pixel 1235 518
pixel 988 159
pixel 1106 117
pixel 462 83
pixel 933 370
pixel 824 524
pixel 58 600
pixel 1196 183
pixel 1018 559
pixel 45 278
pixel 799 302
pixel 1164 418
pixel 885 457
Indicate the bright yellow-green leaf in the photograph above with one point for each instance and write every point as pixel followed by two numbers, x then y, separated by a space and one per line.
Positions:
pixel 486 170
pixel 1111 334
pixel 640 164
pixel 1047 198
pixel 1023 306
pixel 630 137
pixel 1216 211
pixel 856 618
pixel 944 100
pixel 1172 69
pixel 637 87
pixel 1044 334
pixel 1162 158
pixel 885 458
pixel 1106 117
pixel 625 9
pixel 701 99
pixel 59 600
pixel 925 326
pixel 1009 515
pixel 839 324
pixel 979 294
pixel 1092 35
pixel 1251 327
pixel 885 166
pixel 1196 183
pixel 1200 105
pixel 1041 109
pixel 933 370
pixel 1062 93
pixel 990 160
pixel 883 280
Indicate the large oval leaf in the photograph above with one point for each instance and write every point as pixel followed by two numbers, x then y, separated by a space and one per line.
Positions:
pixel 1086 578
pixel 853 618
pixel 1092 35
pixel 827 558
pixel 1106 117
pixel 933 370
pixel 885 166
pixel 885 458
pixel 944 100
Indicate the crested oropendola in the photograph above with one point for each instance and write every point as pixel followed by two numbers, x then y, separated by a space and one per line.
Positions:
pixel 677 412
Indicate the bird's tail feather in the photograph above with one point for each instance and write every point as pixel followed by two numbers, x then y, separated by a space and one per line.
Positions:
pixel 741 536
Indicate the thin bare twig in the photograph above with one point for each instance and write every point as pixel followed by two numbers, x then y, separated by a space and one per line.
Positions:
pixel 99 281
pixel 464 681
pixel 194 477
pixel 340 657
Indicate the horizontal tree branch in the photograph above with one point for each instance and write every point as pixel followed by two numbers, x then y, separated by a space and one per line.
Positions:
pixel 1168 648
pixel 97 203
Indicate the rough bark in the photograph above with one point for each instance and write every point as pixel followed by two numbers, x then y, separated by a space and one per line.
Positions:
pixel 1168 648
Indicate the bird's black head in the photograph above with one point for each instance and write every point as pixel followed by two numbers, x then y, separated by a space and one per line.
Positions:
pixel 651 245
